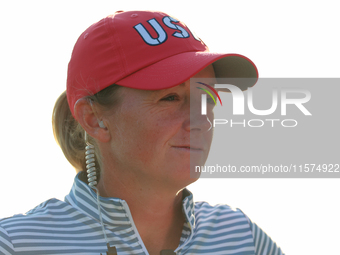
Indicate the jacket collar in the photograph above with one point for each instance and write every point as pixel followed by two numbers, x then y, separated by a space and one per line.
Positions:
pixel 84 199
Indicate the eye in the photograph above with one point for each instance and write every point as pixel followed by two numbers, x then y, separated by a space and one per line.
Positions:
pixel 170 98
pixel 210 101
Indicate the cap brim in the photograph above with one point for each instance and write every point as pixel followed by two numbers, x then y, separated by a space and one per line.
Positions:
pixel 179 68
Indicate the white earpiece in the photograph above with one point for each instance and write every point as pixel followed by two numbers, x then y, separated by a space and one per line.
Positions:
pixel 101 124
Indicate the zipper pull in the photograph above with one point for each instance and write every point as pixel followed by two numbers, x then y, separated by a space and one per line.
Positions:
pixel 111 250
pixel 167 252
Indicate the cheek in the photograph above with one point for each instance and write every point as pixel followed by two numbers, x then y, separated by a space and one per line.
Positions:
pixel 145 135
pixel 158 130
pixel 163 121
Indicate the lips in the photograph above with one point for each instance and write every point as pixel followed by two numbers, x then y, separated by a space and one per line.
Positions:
pixel 194 148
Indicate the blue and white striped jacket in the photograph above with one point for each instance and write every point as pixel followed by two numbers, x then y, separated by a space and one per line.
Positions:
pixel 73 227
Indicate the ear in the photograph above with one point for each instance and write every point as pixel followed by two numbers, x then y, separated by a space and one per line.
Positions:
pixel 87 118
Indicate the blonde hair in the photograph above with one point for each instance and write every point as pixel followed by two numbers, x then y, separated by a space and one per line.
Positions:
pixel 69 134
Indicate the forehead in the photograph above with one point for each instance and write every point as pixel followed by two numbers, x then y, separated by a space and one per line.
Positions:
pixel 131 92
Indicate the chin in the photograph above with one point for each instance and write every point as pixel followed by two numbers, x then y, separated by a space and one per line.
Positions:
pixel 188 176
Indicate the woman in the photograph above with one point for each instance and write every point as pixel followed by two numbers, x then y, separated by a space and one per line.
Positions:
pixel 130 107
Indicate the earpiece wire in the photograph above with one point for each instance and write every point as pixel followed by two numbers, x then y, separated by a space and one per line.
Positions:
pixel 89 165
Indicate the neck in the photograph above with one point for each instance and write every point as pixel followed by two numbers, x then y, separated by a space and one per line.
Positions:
pixel 155 208
pixel 149 200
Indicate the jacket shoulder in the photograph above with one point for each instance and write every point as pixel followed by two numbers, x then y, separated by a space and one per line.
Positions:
pixel 46 210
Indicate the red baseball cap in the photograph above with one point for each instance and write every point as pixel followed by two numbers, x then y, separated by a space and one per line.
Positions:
pixel 144 50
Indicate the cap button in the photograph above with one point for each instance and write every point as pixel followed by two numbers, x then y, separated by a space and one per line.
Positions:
pixel 86 35
pixel 134 15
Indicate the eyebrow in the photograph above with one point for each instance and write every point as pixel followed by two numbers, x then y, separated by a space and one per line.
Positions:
pixel 181 85
pixel 158 91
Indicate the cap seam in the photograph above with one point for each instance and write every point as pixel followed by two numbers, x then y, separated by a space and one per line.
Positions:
pixel 111 31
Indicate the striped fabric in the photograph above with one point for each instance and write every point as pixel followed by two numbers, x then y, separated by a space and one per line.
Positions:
pixel 72 227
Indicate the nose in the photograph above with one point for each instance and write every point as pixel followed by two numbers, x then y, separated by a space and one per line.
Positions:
pixel 198 122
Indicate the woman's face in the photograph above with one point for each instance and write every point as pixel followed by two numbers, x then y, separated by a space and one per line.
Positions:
pixel 154 134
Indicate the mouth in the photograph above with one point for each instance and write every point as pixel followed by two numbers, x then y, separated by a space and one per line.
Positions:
pixel 188 148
